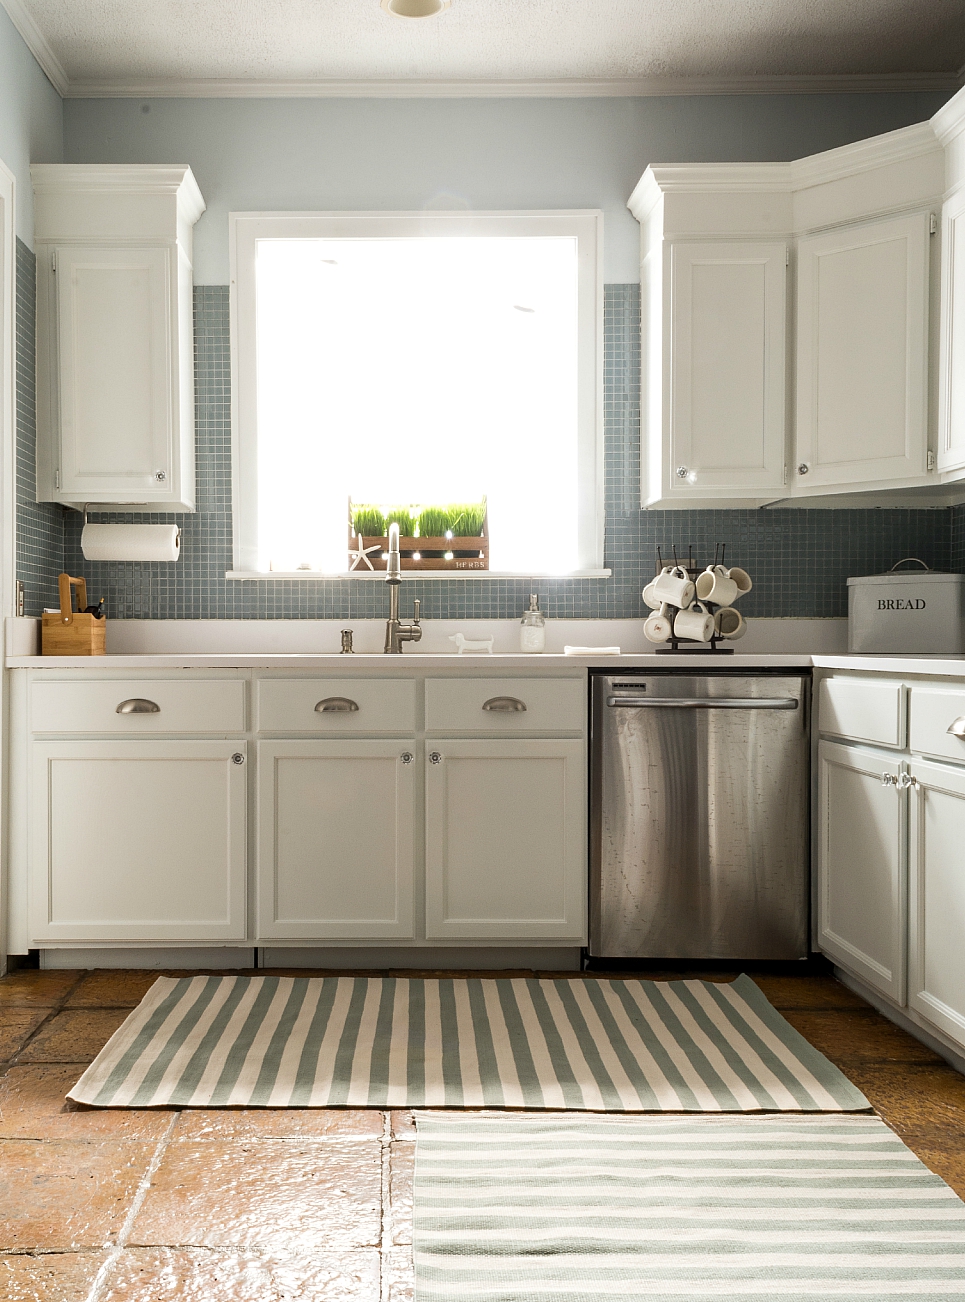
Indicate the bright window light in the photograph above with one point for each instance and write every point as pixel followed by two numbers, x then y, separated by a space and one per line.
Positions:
pixel 413 369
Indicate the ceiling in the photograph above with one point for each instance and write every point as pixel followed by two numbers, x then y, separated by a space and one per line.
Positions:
pixel 494 47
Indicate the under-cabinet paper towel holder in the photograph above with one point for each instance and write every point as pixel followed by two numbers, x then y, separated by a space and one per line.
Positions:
pixel 129 542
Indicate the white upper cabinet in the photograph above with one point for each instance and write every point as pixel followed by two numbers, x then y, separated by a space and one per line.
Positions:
pixel 115 355
pixel 950 125
pixel 721 424
pixel 714 336
pixel 862 354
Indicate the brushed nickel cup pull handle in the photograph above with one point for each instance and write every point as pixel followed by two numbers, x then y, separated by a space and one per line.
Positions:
pixel 504 704
pixel 957 727
pixel 138 705
pixel 336 705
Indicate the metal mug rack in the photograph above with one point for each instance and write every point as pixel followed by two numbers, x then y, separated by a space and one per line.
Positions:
pixel 689 645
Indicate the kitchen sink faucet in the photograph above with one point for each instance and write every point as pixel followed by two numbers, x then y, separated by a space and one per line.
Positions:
pixel 396 633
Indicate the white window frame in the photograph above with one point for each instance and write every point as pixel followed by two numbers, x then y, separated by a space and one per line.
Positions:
pixel 246 228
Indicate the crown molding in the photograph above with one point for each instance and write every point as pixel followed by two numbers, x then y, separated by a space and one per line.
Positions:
pixel 120 178
pixel 38 45
pixel 949 121
pixel 240 88
pixel 865 155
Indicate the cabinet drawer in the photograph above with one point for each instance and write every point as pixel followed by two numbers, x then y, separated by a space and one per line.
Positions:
pixel 186 708
pixel 335 705
pixel 933 710
pixel 487 705
pixel 863 710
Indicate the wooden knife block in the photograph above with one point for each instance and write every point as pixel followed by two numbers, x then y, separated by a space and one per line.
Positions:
pixel 70 632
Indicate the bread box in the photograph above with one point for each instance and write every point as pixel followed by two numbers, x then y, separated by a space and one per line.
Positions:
pixel 907 612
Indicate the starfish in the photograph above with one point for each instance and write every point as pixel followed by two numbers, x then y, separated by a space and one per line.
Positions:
pixel 362 554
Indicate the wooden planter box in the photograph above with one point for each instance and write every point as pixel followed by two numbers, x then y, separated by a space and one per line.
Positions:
pixel 468 553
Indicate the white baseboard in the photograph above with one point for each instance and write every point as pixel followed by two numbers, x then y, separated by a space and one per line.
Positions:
pixel 445 960
pixel 150 959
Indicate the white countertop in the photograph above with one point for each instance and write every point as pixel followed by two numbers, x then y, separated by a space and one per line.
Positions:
pixel 412 660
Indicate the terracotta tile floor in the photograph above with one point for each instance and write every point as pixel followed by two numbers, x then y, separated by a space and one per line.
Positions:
pixel 299 1205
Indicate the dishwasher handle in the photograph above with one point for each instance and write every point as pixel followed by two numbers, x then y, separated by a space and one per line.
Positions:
pixel 703 702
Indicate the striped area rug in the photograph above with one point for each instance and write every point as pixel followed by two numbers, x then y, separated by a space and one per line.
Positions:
pixel 601 1045
pixel 606 1209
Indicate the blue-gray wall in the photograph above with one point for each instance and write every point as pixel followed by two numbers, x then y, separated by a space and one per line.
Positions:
pixel 31 119
pixel 406 154
pixel 279 154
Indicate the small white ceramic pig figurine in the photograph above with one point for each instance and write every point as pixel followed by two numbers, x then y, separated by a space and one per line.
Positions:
pixel 482 644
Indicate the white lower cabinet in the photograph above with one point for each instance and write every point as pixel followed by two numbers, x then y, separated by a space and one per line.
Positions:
pixel 861 864
pixel 505 840
pixel 335 839
pixel 138 841
pixel 936 934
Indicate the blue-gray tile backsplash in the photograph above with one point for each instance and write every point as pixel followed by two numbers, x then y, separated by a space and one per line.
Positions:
pixel 799 559
pixel 40 525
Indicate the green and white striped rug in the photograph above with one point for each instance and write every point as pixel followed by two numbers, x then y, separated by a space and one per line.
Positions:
pixel 601 1045
pixel 513 1208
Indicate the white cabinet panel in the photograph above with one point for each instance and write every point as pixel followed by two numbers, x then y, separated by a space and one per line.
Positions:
pixel 951 392
pixel 505 840
pixel 325 705
pixel 862 709
pixel 493 705
pixel 862 865
pixel 211 705
pixel 936 923
pixel 335 839
pixel 862 353
pixel 137 841
pixel 933 710
pixel 727 346
pixel 114 341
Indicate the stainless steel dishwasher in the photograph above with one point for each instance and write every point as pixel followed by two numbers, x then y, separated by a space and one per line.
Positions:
pixel 699 815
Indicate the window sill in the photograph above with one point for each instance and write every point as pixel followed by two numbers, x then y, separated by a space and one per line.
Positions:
pixel 415 575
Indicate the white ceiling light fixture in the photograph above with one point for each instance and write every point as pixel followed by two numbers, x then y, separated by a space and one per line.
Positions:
pixel 415 8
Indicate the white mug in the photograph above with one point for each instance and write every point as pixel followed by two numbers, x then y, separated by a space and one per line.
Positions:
pixel 716 585
pixel 695 623
pixel 729 623
pixel 650 598
pixel 741 578
pixel 673 586
pixel 658 627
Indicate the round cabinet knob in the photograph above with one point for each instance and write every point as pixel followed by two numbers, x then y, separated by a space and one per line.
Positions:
pixel 681 472
pixel 435 757
pixel 237 758
pixel 889 780
pixel 803 468
pixel 406 757
pixel 160 476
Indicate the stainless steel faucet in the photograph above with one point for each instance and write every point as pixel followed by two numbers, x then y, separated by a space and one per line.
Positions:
pixel 395 632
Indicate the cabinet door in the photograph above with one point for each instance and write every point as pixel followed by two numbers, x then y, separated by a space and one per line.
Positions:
pixel 936 891
pixel 728 326
pixel 862 354
pixel 951 393
pixel 505 840
pixel 138 840
pixel 861 865
pixel 115 338
pixel 335 839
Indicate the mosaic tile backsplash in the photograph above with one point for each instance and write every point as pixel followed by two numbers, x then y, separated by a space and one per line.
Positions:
pixel 799 559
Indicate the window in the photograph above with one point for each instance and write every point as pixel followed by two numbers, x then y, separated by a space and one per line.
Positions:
pixel 417 359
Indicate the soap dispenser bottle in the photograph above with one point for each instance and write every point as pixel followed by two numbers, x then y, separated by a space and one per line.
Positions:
pixel 532 628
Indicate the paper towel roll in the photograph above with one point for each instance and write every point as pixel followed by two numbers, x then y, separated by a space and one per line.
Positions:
pixel 131 542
